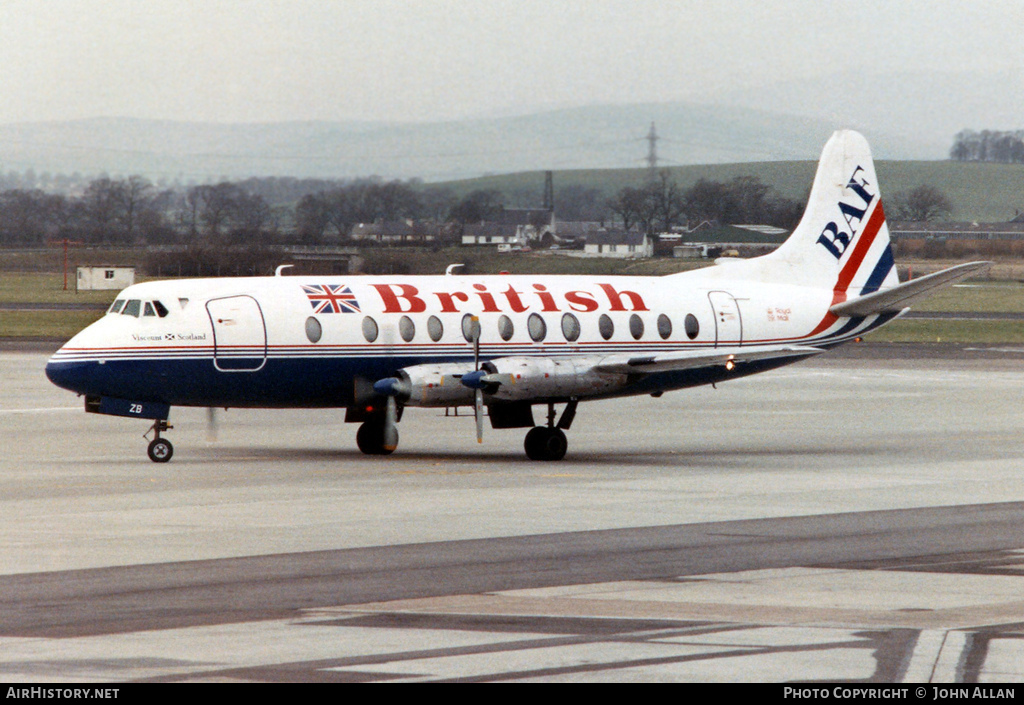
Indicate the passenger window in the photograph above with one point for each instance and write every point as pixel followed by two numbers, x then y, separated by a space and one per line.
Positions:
pixel 537 328
pixel 406 329
pixel 636 327
pixel 691 325
pixel 132 308
pixel 664 326
pixel 313 330
pixel 434 328
pixel 370 329
pixel 605 326
pixel 116 306
pixel 570 327
pixel 149 310
pixel 505 328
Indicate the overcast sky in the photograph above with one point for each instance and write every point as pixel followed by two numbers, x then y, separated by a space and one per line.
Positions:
pixel 425 60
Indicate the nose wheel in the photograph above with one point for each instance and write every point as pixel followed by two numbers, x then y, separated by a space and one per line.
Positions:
pixel 160 449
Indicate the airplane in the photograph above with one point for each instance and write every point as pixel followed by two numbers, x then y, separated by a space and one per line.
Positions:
pixel 375 345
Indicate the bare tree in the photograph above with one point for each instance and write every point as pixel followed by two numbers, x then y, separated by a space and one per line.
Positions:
pixel 312 216
pixel 668 200
pixel 922 204
pixel 131 195
pixel 219 204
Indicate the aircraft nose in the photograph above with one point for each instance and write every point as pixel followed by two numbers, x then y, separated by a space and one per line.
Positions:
pixel 74 376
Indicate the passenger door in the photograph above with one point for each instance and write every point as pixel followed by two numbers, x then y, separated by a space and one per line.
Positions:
pixel 239 334
pixel 728 322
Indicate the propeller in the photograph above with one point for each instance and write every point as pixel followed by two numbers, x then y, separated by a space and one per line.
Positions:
pixel 478 393
pixel 391 387
pixel 391 424
pixel 211 425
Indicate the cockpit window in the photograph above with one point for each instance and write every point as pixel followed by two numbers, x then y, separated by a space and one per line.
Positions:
pixel 132 308
pixel 149 310
pixel 161 310
pixel 116 306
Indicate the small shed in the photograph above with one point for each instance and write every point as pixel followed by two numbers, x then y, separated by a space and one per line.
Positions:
pixel 106 277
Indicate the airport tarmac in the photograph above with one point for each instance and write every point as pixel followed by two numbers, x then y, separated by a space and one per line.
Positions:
pixel 859 516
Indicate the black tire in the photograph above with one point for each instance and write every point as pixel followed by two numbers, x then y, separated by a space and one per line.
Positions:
pixel 370 439
pixel 557 444
pixel 534 443
pixel 160 450
pixel 546 443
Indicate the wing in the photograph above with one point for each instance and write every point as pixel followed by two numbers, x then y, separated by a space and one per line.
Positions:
pixel 692 359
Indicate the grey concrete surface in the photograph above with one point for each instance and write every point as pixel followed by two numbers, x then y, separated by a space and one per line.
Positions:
pixel 278 552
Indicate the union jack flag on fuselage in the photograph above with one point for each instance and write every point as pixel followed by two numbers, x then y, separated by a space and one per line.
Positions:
pixel 331 298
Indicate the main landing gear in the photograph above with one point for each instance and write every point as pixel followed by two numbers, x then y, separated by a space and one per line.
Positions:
pixel 549 442
pixel 544 443
pixel 160 449
pixel 378 435
pixel 372 438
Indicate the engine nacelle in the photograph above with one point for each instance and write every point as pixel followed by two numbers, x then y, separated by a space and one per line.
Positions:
pixel 525 378
pixel 436 385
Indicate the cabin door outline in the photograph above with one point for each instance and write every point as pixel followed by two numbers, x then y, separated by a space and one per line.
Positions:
pixel 239 333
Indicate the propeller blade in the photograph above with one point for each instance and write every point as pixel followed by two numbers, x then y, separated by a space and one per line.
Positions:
pixel 211 425
pixel 391 424
pixel 478 412
pixel 475 331
pixel 473 380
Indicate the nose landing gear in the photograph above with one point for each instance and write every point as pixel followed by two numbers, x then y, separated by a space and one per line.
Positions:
pixel 160 449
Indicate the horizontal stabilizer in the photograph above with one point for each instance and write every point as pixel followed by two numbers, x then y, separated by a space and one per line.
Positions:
pixel 898 297
pixel 708 357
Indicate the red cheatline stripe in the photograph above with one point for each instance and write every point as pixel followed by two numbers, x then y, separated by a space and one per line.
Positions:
pixel 860 251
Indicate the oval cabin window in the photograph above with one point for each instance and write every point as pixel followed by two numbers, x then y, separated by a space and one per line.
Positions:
pixel 537 328
pixel 570 327
pixel 636 327
pixel 664 326
pixel 313 330
pixel 505 328
pixel 406 329
pixel 434 328
pixel 692 326
pixel 605 326
pixel 370 329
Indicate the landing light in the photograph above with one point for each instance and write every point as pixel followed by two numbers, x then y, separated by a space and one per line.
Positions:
pixel 729 364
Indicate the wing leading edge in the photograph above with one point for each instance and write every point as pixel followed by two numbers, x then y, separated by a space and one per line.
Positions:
pixel 693 359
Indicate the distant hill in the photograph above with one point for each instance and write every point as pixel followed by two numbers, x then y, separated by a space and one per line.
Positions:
pixel 599 137
pixel 978 191
pixel 906 115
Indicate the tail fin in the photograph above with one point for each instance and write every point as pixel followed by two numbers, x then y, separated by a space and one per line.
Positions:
pixel 842 241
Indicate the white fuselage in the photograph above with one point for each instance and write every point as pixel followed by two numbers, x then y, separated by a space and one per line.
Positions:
pixel 211 342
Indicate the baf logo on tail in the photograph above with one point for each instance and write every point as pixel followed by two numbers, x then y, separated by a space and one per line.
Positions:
pixel 832 237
